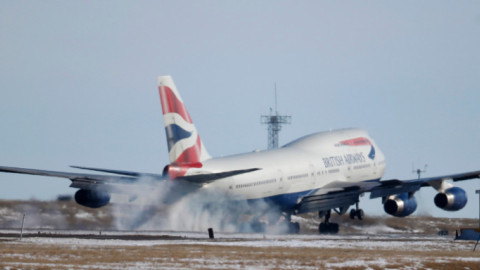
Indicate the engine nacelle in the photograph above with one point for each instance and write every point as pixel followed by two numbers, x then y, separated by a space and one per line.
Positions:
pixel 400 205
pixel 452 199
pixel 92 198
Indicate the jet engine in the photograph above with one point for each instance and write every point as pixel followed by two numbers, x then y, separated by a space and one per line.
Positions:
pixel 92 198
pixel 400 205
pixel 452 199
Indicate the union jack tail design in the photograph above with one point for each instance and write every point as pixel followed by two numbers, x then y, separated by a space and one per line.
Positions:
pixel 184 144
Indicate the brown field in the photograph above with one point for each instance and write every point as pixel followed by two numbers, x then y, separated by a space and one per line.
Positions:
pixel 407 243
pixel 226 254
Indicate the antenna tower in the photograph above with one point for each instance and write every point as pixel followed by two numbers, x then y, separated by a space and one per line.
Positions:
pixel 274 122
pixel 419 171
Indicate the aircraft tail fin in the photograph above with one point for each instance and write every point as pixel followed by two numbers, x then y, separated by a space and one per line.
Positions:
pixel 184 144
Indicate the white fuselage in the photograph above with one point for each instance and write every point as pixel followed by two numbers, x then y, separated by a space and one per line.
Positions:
pixel 299 167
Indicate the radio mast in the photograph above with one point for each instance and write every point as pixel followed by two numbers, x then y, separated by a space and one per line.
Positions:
pixel 419 171
pixel 274 122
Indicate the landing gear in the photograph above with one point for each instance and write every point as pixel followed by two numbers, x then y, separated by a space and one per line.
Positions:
pixel 357 213
pixel 293 227
pixel 327 227
pixel 258 226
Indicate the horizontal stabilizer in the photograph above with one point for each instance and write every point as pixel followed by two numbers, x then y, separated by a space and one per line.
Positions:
pixel 210 177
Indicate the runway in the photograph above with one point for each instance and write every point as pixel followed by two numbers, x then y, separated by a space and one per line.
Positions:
pixel 61 249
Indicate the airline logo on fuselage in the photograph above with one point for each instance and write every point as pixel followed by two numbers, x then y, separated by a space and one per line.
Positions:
pixel 350 159
pixel 356 142
pixel 347 159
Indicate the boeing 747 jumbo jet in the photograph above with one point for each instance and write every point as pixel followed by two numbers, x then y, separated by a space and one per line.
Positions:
pixel 319 172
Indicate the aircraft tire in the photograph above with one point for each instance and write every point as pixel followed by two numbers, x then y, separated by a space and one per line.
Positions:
pixel 333 228
pixel 353 213
pixel 295 227
pixel 328 228
pixel 360 214
pixel 258 227
pixel 322 228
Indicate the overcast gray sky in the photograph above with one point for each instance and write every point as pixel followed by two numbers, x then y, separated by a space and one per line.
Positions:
pixel 78 82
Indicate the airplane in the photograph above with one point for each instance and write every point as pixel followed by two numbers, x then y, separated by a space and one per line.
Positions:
pixel 321 172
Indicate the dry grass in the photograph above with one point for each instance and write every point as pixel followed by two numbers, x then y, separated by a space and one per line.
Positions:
pixel 53 214
pixel 25 255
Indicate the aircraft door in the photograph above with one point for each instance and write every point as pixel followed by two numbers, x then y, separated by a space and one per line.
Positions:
pixel 312 176
pixel 280 181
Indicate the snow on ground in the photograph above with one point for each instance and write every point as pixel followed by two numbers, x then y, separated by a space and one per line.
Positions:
pixel 290 243
pixel 357 263
pixel 387 241
pixel 84 215
pixel 343 248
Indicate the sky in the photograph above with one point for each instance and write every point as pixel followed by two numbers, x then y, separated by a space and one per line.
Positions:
pixel 78 82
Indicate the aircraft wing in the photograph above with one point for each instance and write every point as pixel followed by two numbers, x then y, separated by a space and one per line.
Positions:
pixel 79 180
pixel 202 178
pixel 108 182
pixel 121 172
pixel 327 201
pixel 393 187
pixel 344 194
pixel 334 195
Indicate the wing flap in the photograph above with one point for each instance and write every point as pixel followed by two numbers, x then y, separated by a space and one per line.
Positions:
pixel 334 195
pixel 327 201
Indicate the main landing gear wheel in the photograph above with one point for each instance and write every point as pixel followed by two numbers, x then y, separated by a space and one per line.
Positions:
pixel 326 227
pixel 357 213
pixel 258 226
pixel 294 227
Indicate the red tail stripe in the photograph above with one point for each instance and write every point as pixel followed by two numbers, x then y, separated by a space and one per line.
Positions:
pixel 192 154
pixel 171 104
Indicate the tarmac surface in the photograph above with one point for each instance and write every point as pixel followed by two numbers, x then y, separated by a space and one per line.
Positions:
pixel 63 235
pixel 63 249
